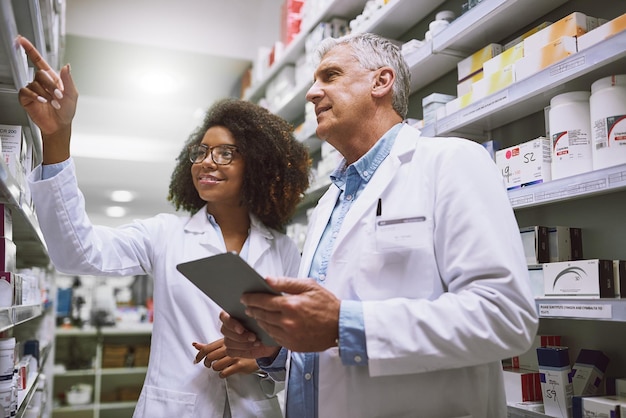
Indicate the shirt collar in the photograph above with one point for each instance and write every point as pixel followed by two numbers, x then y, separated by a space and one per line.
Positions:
pixel 368 163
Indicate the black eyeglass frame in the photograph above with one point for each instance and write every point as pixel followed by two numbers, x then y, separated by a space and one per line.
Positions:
pixel 206 150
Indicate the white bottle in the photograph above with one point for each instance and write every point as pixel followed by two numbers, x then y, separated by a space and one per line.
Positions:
pixel 570 134
pixel 608 121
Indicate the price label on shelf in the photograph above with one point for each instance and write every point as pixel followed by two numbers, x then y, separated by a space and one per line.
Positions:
pixel 588 310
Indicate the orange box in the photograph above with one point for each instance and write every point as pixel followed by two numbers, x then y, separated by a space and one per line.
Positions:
pixel 548 55
pixel 603 32
pixel 574 24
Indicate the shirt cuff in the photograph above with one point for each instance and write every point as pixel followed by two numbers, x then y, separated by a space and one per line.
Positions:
pixel 51 170
pixel 275 368
pixel 352 344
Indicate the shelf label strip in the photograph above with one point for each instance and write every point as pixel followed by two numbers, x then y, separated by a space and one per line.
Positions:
pixel 592 310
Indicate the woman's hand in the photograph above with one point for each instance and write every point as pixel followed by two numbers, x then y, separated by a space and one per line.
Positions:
pixel 214 355
pixel 50 100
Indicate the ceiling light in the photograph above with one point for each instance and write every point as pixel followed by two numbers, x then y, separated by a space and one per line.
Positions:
pixel 115 211
pixel 157 82
pixel 122 196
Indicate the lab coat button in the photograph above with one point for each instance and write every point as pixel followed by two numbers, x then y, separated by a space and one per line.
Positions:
pixel 308 376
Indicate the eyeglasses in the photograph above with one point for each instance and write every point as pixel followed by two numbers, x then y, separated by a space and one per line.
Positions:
pixel 220 154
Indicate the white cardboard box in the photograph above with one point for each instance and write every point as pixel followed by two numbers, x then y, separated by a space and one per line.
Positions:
pixel 579 279
pixel 525 164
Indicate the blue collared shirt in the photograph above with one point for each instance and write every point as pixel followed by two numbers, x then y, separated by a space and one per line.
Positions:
pixel 302 390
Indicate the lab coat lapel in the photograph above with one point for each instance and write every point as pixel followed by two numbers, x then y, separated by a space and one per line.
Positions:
pixel 207 236
pixel 317 224
pixel 401 153
pixel 260 238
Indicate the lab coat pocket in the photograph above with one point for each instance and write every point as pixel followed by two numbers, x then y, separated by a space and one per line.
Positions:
pixel 402 267
pixel 163 403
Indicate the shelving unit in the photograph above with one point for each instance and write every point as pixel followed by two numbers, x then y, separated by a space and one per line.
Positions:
pixel 33 321
pixel 81 352
pixel 593 201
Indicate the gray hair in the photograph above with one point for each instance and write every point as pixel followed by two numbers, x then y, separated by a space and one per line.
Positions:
pixel 373 52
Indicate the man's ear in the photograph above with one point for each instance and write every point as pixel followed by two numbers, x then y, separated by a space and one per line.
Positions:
pixel 383 82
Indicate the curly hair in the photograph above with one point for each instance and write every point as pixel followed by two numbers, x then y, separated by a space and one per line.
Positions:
pixel 277 166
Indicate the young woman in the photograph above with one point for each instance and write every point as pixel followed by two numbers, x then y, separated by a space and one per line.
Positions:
pixel 240 176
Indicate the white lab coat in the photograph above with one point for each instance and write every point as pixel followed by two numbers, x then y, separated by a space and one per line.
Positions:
pixel 174 386
pixel 440 312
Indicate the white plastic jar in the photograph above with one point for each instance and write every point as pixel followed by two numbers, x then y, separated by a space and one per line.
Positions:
pixel 7 358
pixel 607 106
pixel 570 134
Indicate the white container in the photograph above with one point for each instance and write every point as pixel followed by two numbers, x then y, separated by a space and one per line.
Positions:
pixel 447 15
pixel 570 134
pixel 437 26
pixel 6 398
pixel 607 106
pixel 7 358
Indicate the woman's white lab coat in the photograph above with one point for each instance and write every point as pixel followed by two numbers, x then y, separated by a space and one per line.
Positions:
pixel 446 295
pixel 174 386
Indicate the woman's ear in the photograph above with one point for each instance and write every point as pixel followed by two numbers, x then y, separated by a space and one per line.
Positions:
pixel 383 82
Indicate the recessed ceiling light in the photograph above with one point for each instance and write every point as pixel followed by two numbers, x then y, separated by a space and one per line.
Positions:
pixel 122 196
pixel 115 211
pixel 157 82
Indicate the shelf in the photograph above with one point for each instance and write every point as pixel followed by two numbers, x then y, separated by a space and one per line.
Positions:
pixel 514 412
pixel 123 371
pixel 584 309
pixel 533 94
pixel 30 390
pixel 391 21
pixel 119 329
pixel 602 181
pixel 26 232
pixel 9 317
pixel 461 39
pixel 335 8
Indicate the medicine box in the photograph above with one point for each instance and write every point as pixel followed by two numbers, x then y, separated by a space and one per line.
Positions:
pixel 6 222
pixel 496 81
pixel 602 32
pixel 8 252
pixel 579 279
pixel 526 34
pixel 555 376
pixel 433 102
pixel 572 25
pixel 588 372
pixel 474 62
pixel 521 385
pixel 528 360
pixel 553 52
pixel 597 406
pixel 565 243
pixel 504 59
pixel 536 244
pixel 619 275
pixel 525 164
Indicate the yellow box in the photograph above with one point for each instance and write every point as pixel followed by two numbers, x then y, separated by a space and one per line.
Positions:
pixel 548 55
pixel 603 32
pixel 526 35
pixel 494 82
pixel 474 62
pixel 465 86
pixel 574 24
pixel 503 60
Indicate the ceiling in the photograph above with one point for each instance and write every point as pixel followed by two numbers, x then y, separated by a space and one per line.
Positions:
pixel 130 125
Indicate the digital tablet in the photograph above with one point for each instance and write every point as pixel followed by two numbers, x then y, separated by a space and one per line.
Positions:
pixel 224 278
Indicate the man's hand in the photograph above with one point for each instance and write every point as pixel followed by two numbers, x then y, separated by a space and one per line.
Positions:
pixel 305 318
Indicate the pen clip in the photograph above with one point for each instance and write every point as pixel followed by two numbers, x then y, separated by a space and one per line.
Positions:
pixel 379 207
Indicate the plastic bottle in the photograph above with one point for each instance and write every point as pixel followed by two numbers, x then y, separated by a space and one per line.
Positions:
pixel 570 134
pixel 607 106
